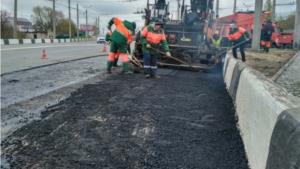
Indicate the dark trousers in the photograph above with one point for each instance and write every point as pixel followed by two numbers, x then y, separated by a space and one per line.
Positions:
pixel 150 63
pixel 241 46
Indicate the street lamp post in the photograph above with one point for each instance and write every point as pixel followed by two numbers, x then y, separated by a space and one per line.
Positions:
pixel 15 20
pixel 86 20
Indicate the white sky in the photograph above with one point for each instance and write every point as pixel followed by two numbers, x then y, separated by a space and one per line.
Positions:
pixel 121 8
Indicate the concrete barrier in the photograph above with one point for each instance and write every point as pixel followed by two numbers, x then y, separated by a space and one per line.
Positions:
pixel 37 40
pixel 47 40
pixel 27 41
pixel 285 141
pixel 13 41
pixel 259 102
pixel 33 41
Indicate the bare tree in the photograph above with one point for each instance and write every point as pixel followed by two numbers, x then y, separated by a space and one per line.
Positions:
pixel 42 17
pixel 6 27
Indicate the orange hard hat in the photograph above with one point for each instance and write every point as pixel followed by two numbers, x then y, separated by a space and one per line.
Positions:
pixel 216 32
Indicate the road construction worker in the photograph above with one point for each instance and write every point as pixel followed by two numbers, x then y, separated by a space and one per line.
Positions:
pixel 121 37
pixel 151 36
pixel 216 42
pixel 107 38
pixel 237 38
pixel 266 36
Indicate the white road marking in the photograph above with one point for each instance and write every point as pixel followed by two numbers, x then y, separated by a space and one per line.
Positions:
pixel 49 47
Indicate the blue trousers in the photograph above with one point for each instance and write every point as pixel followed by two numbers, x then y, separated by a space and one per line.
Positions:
pixel 150 63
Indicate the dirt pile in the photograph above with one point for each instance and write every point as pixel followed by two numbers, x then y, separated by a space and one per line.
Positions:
pixel 268 63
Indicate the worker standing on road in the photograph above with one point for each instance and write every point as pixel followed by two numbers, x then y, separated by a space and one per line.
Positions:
pixel 122 36
pixel 266 36
pixel 151 36
pixel 237 35
pixel 216 42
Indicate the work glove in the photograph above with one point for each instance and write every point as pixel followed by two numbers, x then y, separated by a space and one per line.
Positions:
pixel 148 46
pixel 168 54
pixel 247 39
pixel 108 27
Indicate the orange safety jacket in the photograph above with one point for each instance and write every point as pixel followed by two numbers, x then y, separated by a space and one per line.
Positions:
pixel 238 35
pixel 153 37
pixel 124 32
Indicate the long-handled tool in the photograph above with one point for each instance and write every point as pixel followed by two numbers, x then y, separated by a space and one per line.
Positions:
pixel 136 61
pixel 232 47
pixel 175 59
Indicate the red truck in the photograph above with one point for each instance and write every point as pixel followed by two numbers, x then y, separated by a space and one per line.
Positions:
pixel 246 19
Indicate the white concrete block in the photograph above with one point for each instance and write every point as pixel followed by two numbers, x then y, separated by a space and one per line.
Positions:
pixel 2 42
pixel 259 102
pixel 13 41
pixel 55 40
pixel 229 72
pixel 38 40
pixel 68 40
pixel 225 64
pixel 47 40
pixel 27 41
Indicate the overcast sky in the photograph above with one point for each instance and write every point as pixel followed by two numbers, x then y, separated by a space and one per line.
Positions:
pixel 121 8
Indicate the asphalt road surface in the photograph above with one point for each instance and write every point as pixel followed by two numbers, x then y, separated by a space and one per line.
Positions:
pixel 24 56
pixel 73 115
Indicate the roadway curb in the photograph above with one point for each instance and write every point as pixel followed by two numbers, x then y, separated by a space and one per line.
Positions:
pixel 274 78
pixel 34 41
pixel 259 104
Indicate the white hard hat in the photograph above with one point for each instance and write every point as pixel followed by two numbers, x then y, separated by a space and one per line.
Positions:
pixel 232 25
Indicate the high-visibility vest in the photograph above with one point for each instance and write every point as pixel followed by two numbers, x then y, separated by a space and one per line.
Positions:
pixel 217 42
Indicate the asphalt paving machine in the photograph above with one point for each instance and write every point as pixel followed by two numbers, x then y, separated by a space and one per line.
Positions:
pixel 187 37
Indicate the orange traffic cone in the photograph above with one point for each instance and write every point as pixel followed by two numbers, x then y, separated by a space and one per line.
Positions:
pixel 44 55
pixel 104 48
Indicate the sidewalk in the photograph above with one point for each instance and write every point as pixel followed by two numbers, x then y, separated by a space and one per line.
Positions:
pixel 289 78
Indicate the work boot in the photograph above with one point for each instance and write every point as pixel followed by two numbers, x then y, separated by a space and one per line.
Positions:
pixel 147 76
pixel 108 66
pixel 267 50
pixel 115 62
pixel 156 77
pixel 128 72
pixel 125 66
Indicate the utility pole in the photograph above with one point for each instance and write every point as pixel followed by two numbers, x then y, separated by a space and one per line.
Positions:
pixel 257 23
pixel 234 7
pixel 15 19
pixel 99 24
pixel 217 9
pixel 86 21
pixel 178 6
pixel 86 26
pixel 54 23
pixel 77 24
pixel 273 11
pixel 296 44
pixel 70 34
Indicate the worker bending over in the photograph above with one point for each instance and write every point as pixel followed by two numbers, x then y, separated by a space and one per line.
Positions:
pixel 107 38
pixel 237 38
pixel 151 36
pixel 122 36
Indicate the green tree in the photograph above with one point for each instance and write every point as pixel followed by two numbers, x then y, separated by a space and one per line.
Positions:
pixel 287 23
pixel 63 27
pixel 43 17
pixel 268 7
pixel 6 27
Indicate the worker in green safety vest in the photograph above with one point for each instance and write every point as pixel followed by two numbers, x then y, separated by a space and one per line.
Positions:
pixel 216 43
